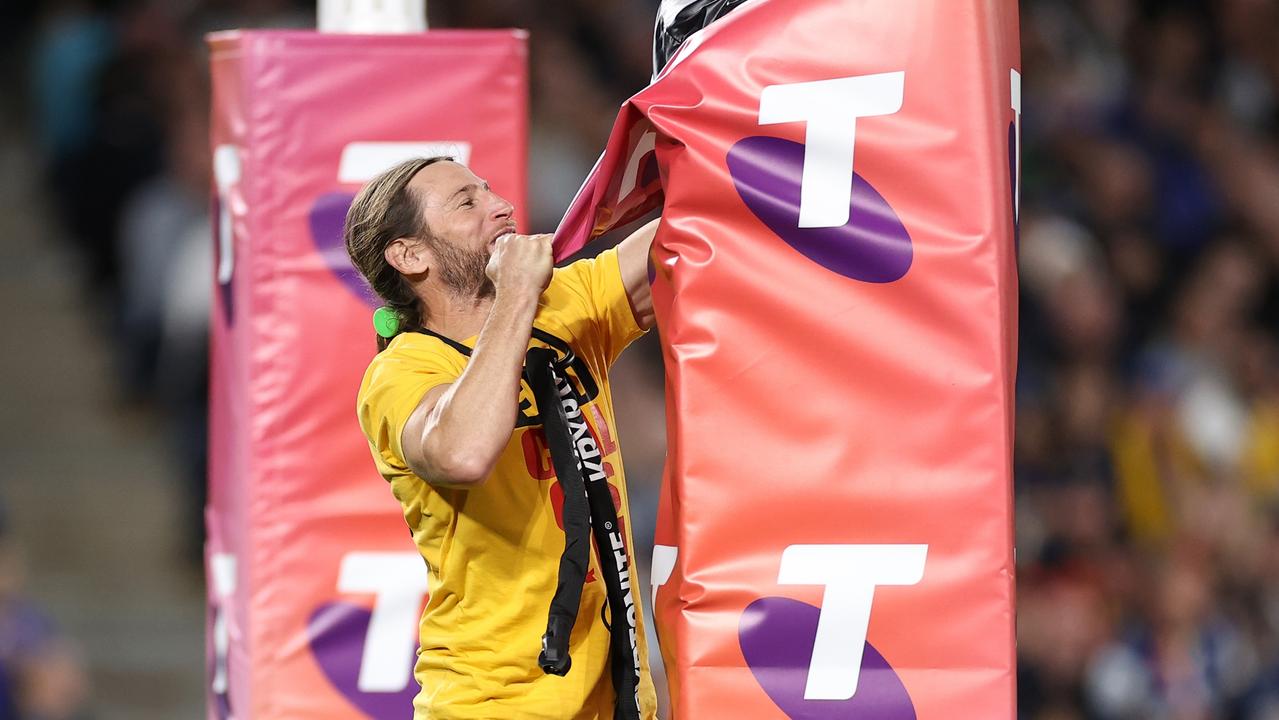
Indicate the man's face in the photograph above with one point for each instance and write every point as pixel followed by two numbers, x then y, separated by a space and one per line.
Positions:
pixel 464 218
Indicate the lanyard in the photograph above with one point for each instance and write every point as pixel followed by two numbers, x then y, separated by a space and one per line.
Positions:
pixel 588 509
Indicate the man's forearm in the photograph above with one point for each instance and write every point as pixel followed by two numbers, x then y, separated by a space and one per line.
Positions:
pixel 473 420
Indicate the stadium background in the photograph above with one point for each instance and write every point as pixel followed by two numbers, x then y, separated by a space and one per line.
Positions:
pixel 1148 397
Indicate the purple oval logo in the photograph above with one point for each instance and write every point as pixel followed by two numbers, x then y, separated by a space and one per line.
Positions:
pixel 873 246
pixel 337 632
pixel 777 636
pixel 327 216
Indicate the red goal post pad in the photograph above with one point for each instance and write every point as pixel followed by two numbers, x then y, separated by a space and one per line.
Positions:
pixel 835 287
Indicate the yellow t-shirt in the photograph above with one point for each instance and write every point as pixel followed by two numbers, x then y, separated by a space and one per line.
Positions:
pixel 492 552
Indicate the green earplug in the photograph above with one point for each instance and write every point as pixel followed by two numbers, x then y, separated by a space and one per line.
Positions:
pixel 386 322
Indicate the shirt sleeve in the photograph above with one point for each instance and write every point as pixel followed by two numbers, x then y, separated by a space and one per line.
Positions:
pixel 598 284
pixel 395 383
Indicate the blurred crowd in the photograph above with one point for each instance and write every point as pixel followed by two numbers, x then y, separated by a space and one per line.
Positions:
pixel 1147 456
pixel 1147 452
pixel 41 675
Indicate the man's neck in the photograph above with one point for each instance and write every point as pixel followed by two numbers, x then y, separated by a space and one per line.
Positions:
pixel 457 318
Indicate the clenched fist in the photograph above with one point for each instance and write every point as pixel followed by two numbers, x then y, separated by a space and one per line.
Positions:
pixel 521 264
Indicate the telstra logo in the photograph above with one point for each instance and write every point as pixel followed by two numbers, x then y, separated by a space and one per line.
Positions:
pixel 815 663
pixel 807 193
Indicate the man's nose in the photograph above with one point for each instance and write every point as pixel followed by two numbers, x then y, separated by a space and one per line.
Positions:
pixel 500 209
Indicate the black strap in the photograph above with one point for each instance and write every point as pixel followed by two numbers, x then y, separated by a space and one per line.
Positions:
pixel 588 507
pixel 577 518
pixel 574 449
pixel 538 333
pixel 448 341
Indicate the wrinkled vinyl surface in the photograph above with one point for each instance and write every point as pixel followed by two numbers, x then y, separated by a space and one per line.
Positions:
pixel 835 289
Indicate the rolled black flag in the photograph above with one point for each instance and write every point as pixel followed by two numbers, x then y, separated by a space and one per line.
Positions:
pixel 677 19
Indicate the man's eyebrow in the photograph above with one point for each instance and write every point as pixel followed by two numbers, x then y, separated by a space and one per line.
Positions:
pixel 464 189
pixel 470 187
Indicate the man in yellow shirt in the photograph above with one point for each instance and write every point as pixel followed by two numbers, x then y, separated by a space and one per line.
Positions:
pixel 455 428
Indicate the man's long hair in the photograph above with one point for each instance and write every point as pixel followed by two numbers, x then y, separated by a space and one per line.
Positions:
pixel 384 210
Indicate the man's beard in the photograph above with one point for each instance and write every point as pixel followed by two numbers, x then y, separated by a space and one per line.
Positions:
pixel 463 271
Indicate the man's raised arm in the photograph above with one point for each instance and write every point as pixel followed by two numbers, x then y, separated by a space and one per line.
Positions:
pixel 457 432
pixel 632 257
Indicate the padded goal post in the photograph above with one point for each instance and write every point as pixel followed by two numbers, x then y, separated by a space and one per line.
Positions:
pixel 835 287
pixel 315 588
